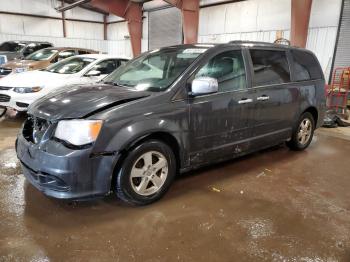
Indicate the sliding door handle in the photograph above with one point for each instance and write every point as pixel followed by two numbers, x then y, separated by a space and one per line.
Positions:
pixel 245 101
pixel 263 98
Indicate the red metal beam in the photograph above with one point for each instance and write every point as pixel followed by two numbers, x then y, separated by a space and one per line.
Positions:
pixel 301 10
pixel 131 12
pixel 190 18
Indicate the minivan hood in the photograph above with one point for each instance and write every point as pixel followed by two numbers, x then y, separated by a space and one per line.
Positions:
pixel 82 100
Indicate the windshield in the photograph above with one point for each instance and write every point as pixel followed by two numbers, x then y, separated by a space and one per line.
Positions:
pixel 70 65
pixel 11 46
pixel 41 55
pixel 155 71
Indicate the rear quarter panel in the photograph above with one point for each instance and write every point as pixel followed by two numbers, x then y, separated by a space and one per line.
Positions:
pixel 312 95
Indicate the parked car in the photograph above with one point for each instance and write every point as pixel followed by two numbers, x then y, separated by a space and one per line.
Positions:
pixel 42 59
pixel 18 91
pixel 167 112
pixel 19 49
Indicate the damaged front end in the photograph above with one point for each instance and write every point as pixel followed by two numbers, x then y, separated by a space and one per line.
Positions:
pixel 56 146
pixel 59 170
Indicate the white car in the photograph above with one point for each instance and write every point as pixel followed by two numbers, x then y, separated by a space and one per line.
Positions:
pixel 18 91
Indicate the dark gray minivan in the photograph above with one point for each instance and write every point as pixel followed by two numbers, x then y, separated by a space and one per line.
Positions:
pixel 169 111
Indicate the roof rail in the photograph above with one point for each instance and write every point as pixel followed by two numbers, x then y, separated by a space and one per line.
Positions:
pixel 242 42
pixel 250 42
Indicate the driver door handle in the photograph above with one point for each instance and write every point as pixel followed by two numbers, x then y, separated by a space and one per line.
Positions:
pixel 245 101
pixel 263 98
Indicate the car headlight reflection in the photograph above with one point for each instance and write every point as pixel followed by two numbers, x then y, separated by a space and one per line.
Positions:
pixel 25 90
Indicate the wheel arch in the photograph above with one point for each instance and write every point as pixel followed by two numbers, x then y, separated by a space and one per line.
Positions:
pixel 313 111
pixel 162 136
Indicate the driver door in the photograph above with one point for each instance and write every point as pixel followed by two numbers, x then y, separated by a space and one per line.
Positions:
pixel 220 123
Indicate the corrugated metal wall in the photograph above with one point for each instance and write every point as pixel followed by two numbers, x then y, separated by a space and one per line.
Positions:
pixel 322 41
pixel 342 54
pixel 99 45
pixel 16 27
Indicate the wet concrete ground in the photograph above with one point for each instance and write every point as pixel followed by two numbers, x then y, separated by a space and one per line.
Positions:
pixel 276 205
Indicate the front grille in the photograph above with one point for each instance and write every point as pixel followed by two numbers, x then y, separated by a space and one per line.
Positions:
pixel 4 98
pixel 5 71
pixel 34 129
pixel 5 87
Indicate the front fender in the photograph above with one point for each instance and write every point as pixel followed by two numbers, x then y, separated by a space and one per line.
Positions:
pixel 117 137
pixel 133 131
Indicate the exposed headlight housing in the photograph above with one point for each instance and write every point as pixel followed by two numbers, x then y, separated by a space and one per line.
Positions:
pixel 25 90
pixel 78 132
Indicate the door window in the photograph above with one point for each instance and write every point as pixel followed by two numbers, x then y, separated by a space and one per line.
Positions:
pixel 270 67
pixel 228 69
pixel 84 52
pixel 123 62
pixel 105 67
pixel 38 47
pixel 46 45
pixel 65 54
pixel 31 48
pixel 305 66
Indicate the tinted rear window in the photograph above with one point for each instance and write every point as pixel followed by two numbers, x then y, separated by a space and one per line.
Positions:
pixel 305 66
pixel 270 67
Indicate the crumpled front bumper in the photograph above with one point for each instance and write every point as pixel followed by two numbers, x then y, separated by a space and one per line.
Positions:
pixel 65 173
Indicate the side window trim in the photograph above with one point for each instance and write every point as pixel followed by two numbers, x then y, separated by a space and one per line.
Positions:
pixel 249 67
pixel 207 59
pixel 291 67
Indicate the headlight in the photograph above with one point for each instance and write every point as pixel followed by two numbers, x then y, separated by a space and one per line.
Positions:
pixel 24 90
pixel 78 132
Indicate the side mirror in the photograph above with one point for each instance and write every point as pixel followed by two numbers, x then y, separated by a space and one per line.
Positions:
pixel 93 73
pixel 204 86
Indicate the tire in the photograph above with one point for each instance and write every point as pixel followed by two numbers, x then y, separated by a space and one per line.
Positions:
pixel 301 139
pixel 140 181
pixel 2 111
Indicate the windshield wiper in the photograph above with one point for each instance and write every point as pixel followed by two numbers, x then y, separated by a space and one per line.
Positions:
pixel 106 82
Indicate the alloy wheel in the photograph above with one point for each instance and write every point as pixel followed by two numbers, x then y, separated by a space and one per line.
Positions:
pixel 149 173
pixel 305 131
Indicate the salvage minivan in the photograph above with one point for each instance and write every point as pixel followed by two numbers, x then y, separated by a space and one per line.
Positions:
pixel 169 111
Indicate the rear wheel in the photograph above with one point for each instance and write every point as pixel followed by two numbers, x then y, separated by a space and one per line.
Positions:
pixel 146 173
pixel 303 133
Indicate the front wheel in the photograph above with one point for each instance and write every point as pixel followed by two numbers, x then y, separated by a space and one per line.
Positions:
pixel 146 173
pixel 303 133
